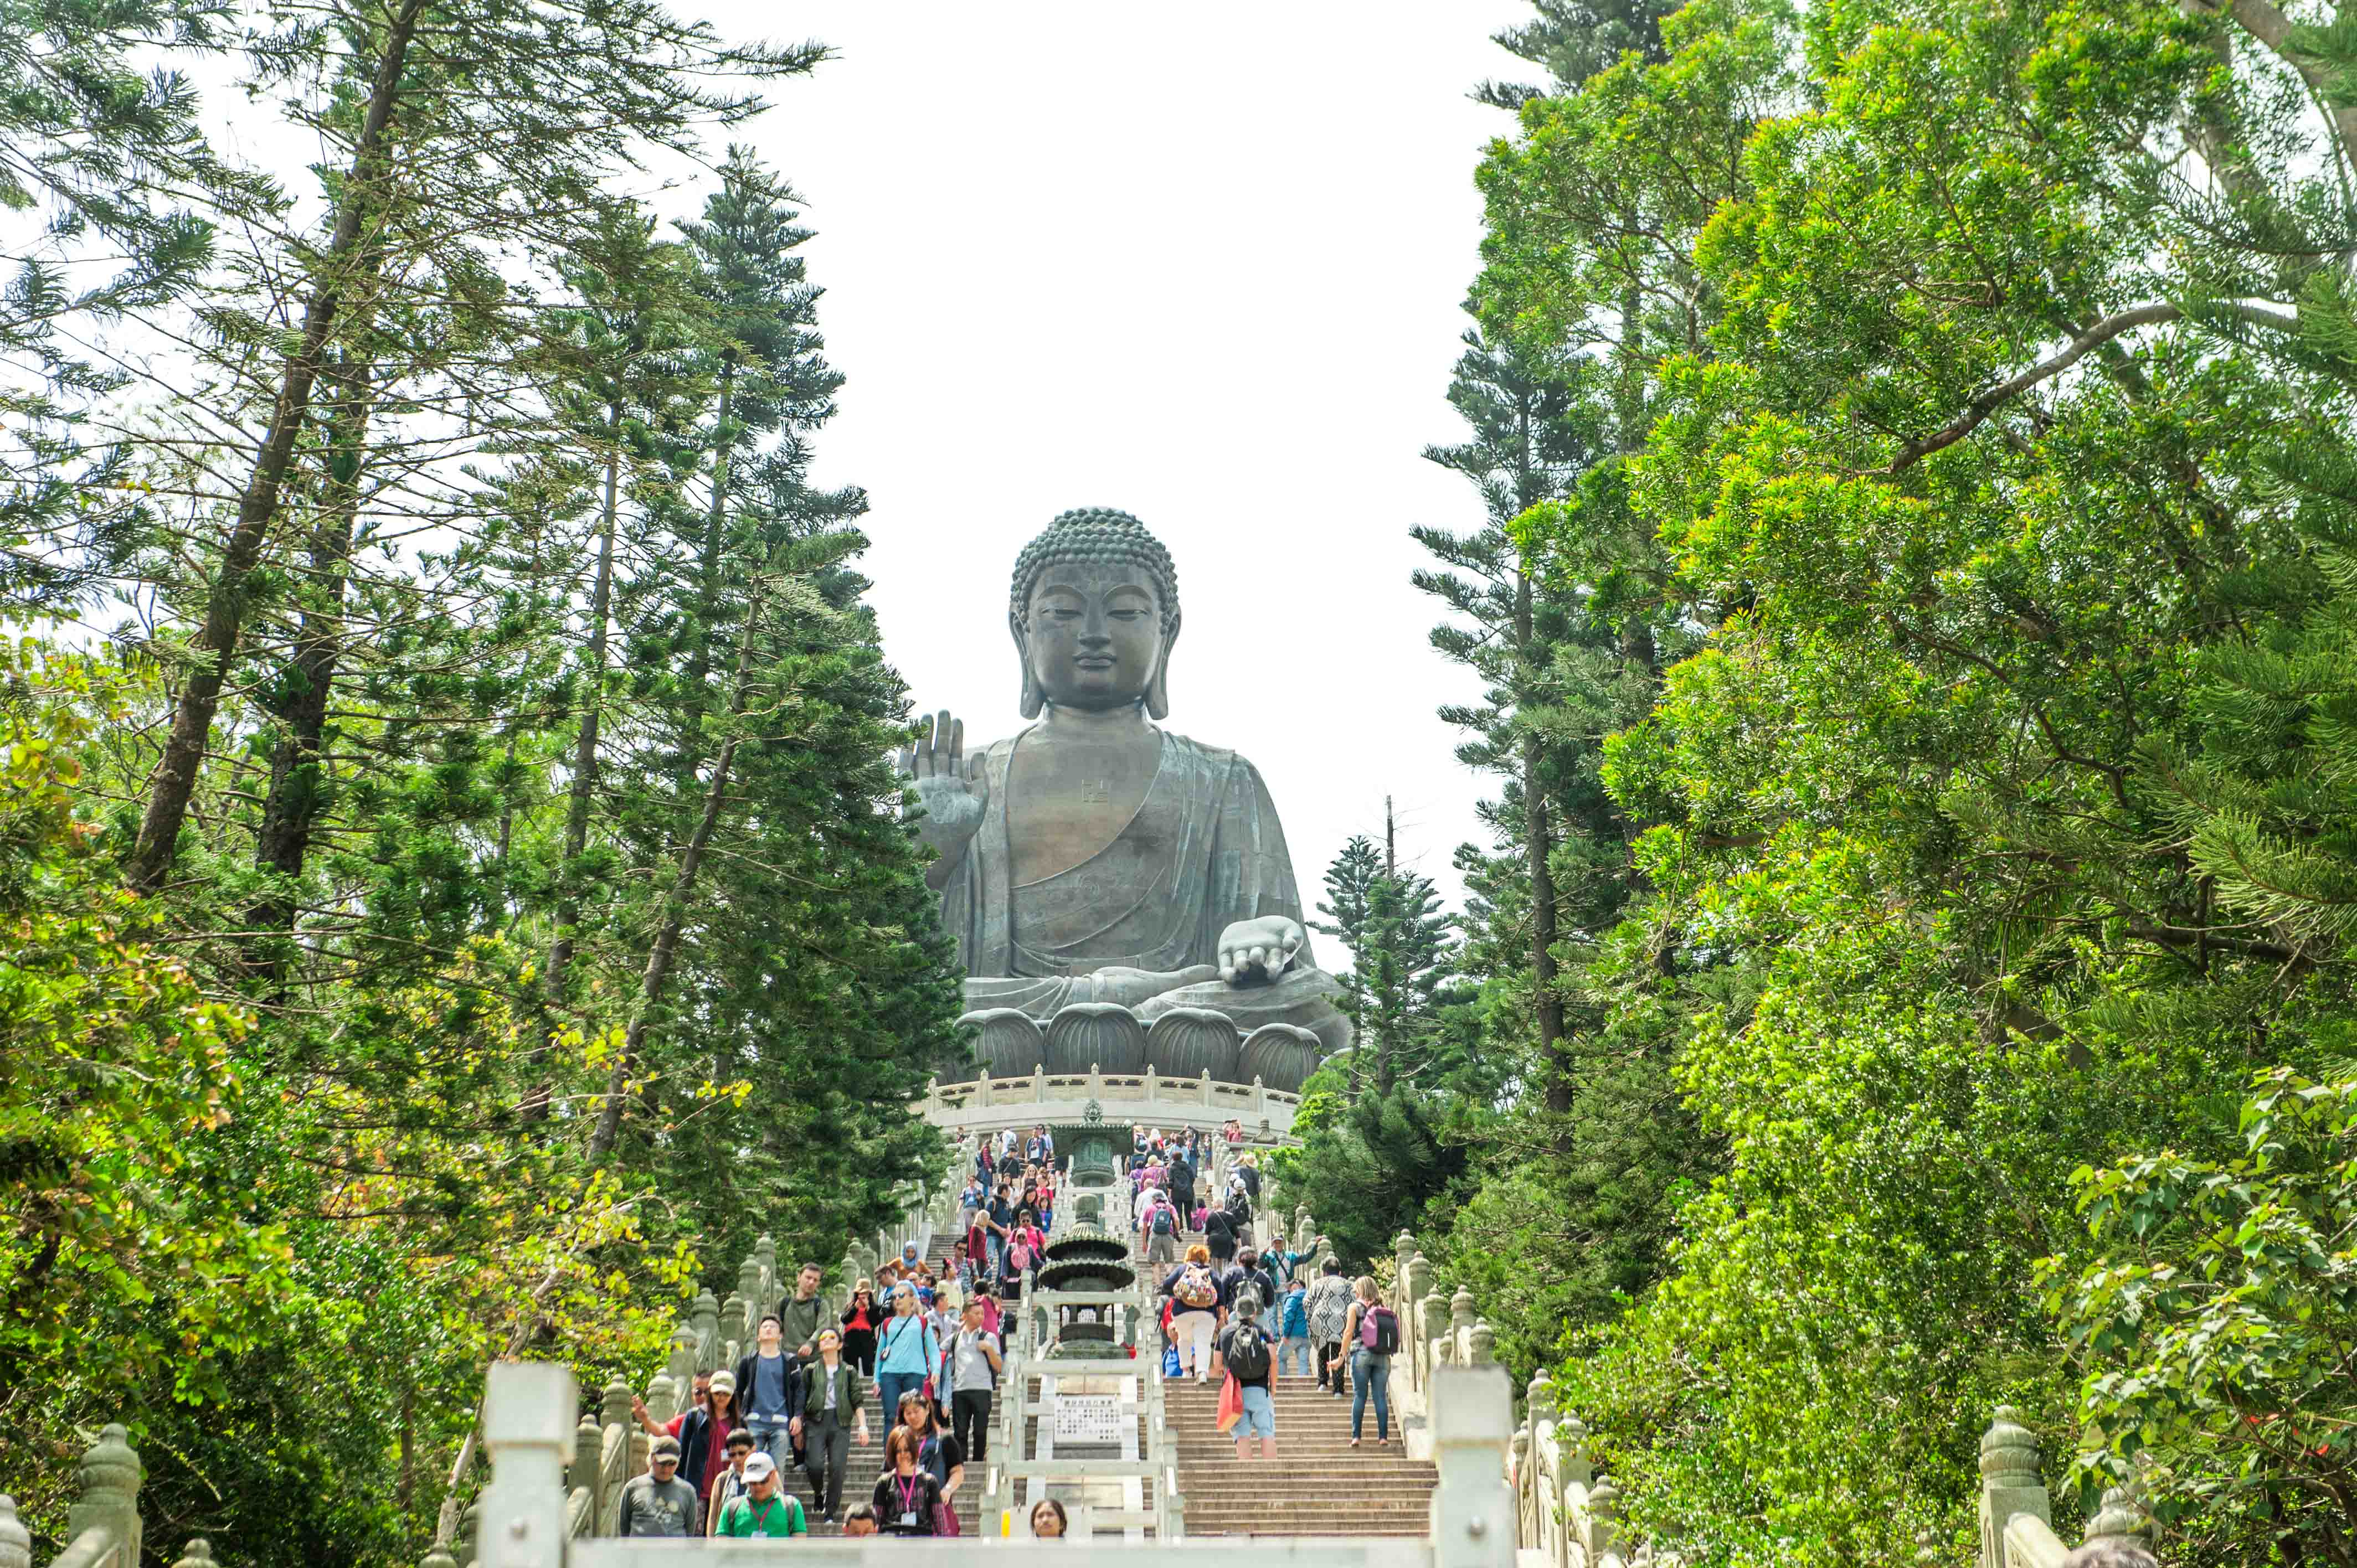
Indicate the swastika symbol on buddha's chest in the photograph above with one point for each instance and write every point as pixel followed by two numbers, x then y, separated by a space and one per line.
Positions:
pixel 1096 791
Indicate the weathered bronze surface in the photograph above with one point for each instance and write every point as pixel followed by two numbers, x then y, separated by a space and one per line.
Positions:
pixel 1096 857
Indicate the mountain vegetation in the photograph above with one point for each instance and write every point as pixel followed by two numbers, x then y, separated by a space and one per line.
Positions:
pixel 1912 634
pixel 445 778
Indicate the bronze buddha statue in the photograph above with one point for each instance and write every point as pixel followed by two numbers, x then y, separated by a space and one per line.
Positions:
pixel 1095 857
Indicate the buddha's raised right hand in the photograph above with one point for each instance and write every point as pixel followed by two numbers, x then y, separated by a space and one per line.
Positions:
pixel 950 784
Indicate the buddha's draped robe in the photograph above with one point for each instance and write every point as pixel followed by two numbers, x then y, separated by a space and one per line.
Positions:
pixel 1204 850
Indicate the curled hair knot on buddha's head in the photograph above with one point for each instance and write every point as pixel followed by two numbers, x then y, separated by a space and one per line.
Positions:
pixel 1096 535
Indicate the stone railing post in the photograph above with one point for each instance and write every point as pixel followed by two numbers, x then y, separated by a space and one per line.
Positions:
pixel 1404 1247
pixel 588 1465
pixel 1460 1323
pixel 1203 1090
pixel 1480 1345
pixel 200 1554
pixel 1603 1520
pixel 982 1089
pixel 2010 1483
pixel 665 1399
pixel 111 1474
pixel 1260 1098
pixel 707 1331
pixel 1431 1314
pixel 683 1365
pixel 16 1541
pixel 1472 1508
pixel 2121 1521
pixel 1038 1084
pixel 748 1280
pixel 527 1427
pixel 932 1093
pixel 1153 1087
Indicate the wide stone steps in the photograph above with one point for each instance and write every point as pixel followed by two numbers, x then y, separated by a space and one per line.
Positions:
pixel 1316 1485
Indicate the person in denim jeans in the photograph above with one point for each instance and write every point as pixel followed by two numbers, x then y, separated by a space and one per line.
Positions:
pixel 1293 1320
pixel 905 1348
pixel 1370 1371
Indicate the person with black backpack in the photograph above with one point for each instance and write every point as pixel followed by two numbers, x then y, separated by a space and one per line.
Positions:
pixel 1244 1351
pixel 1371 1333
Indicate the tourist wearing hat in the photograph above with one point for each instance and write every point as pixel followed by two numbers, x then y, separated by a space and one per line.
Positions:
pixel 764 1509
pixel 704 1438
pixel 906 1349
pixel 659 1503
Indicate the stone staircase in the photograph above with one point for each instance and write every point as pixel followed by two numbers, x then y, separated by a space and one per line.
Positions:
pixel 1316 1485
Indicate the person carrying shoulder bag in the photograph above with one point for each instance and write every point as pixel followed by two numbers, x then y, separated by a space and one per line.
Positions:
pixel 1372 1333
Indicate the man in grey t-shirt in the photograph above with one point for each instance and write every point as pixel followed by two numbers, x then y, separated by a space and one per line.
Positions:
pixel 659 1503
pixel 974 1366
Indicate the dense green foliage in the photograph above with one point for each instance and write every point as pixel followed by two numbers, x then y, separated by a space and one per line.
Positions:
pixel 1915 643
pixel 457 892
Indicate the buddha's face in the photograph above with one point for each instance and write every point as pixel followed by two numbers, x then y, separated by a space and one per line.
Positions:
pixel 1094 634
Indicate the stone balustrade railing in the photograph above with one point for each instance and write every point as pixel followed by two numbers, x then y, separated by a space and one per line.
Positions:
pixel 989 1102
pixel 1570 1515
pixel 102 1524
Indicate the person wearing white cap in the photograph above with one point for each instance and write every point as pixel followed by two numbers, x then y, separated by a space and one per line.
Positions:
pixel 764 1509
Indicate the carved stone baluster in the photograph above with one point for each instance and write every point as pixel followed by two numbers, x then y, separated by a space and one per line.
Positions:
pixel 588 1461
pixel 2010 1483
pixel 527 1427
pixel 200 1554
pixel 16 1541
pixel 1473 1509
pixel 1603 1518
pixel 111 1474
pixel 2122 1520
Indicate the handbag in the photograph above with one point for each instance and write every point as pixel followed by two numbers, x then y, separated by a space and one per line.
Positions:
pixel 945 1518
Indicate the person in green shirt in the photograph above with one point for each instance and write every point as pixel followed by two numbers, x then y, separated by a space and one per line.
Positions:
pixel 764 1509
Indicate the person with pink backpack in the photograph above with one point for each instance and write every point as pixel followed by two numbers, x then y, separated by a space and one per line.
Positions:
pixel 1371 1333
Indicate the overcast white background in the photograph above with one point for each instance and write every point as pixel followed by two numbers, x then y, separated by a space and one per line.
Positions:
pixel 1203 264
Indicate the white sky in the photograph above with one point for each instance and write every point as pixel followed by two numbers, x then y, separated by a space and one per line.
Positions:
pixel 1202 264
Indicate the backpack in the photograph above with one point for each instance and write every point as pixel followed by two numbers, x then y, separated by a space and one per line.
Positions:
pixel 1195 1287
pixel 1247 1355
pixel 1162 1221
pixel 1379 1331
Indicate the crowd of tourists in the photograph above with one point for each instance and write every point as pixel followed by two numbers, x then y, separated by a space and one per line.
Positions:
pixel 1249 1315
pixel 918 1355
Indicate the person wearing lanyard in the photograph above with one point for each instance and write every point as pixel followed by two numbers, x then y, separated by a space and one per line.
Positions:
pixel 906 1495
pixel 762 1511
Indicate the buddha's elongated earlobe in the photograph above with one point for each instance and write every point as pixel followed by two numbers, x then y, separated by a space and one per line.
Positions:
pixel 1034 699
pixel 1157 690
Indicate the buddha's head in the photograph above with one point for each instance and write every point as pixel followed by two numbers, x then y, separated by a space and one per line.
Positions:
pixel 1094 609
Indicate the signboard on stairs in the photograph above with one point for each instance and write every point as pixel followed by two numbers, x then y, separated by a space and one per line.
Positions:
pixel 1088 1418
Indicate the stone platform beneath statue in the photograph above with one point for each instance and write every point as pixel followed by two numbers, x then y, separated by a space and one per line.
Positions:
pixel 989 1103
pixel 1181 1043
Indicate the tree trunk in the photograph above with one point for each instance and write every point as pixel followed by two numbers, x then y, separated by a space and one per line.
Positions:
pixel 584 748
pixel 257 508
pixel 1537 840
pixel 657 976
pixel 298 767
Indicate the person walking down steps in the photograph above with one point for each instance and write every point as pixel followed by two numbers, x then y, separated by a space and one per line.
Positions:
pixel 829 1409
